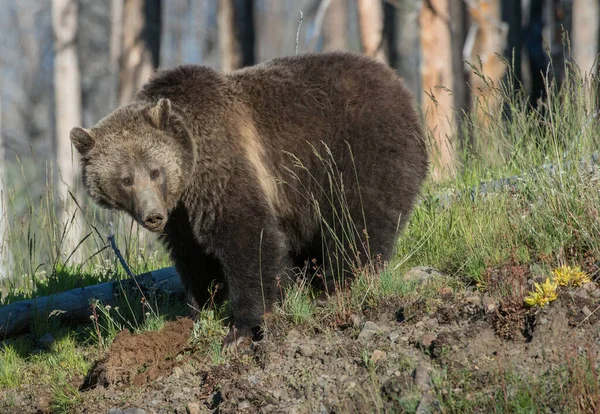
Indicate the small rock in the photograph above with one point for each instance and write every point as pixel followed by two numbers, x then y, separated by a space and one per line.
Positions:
pixel 489 304
pixel 595 294
pixel 293 336
pixel 427 340
pixel 378 355
pixel 307 349
pixel 177 373
pixel 542 321
pixel 356 320
pixel 393 336
pixel 431 322
pixel 582 293
pixel 427 405
pixel 586 311
pixel 419 324
pixel 446 292
pixel 422 274
pixel 134 410
pixel 115 411
pixel 243 405
pixel 46 341
pixel 186 390
pixel 590 286
pixel 473 299
pixel 193 408
pixel 421 378
pixel 368 330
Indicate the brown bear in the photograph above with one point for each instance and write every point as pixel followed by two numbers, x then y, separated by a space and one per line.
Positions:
pixel 229 168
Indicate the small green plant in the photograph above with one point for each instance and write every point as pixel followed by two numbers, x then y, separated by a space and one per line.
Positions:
pixel 543 294
pixel 570 276
pixel 65 397
pixel 297 304
pixel 12 366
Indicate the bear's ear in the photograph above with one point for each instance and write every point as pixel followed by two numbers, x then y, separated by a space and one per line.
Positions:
pixel 160 113
pixel 82 139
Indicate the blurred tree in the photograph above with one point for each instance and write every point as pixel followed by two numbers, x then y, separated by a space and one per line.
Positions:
pixel 231 54
pixel 586 34
pixel 4 250
pixel 537 56
pixel 140 43
pixel 67 96
pixel 370 17
pixel 437 101
pixel 511 11
pixel 408 43
pixel 390 36
pixel 236 33
pixel 458 35
pixel 335 26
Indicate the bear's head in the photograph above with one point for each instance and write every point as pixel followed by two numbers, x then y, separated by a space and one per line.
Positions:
pixel 138 159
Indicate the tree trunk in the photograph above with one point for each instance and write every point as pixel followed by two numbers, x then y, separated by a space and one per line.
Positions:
pixel 390 33
pixel 246 35
pixel 74 304
pixel 408 43
pixel 437 83
pixel 458 29
pixel 140 46
pixel 5 261
pixel 235 21
pixel 370 18
pixel 67 96
pixel 586 34
pixel 335 26
pixel 116 48
pixel 231 56
pixel 512 15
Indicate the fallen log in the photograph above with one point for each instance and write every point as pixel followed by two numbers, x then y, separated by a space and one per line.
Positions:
pixel 75 304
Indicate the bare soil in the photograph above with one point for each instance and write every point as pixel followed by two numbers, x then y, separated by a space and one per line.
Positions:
pixel 398 357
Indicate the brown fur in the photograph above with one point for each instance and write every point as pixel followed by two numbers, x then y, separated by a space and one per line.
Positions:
pixel 223 144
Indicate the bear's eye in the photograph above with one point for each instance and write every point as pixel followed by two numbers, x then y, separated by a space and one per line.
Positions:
pixel 154 174
pixel 127 181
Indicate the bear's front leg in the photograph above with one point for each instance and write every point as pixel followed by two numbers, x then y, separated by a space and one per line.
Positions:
pixel 254 256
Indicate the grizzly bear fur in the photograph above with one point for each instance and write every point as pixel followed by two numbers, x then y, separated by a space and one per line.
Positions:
pixel 226 168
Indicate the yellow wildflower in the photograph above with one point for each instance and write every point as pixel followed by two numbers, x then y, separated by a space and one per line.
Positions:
pixel 568 276
pixel 544 293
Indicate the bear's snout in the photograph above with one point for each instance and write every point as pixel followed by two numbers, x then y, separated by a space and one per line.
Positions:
pixel 154 221
pixel 150 209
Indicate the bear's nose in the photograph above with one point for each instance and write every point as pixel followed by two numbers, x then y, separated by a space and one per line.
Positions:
pixel 153 219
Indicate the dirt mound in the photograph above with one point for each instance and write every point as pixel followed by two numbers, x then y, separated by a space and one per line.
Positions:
pixel 136 359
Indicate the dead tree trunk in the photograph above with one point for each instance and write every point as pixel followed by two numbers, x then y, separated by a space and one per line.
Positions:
pixel 370 20
pixel 335 27
pixel 458 28
pixel 235 20
pixel 437 83
pixel 116 48
pixel 586 34
pixel 408 42
pixel 140 45
pixel 5 255
pixel 231 57
pixel 67 97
